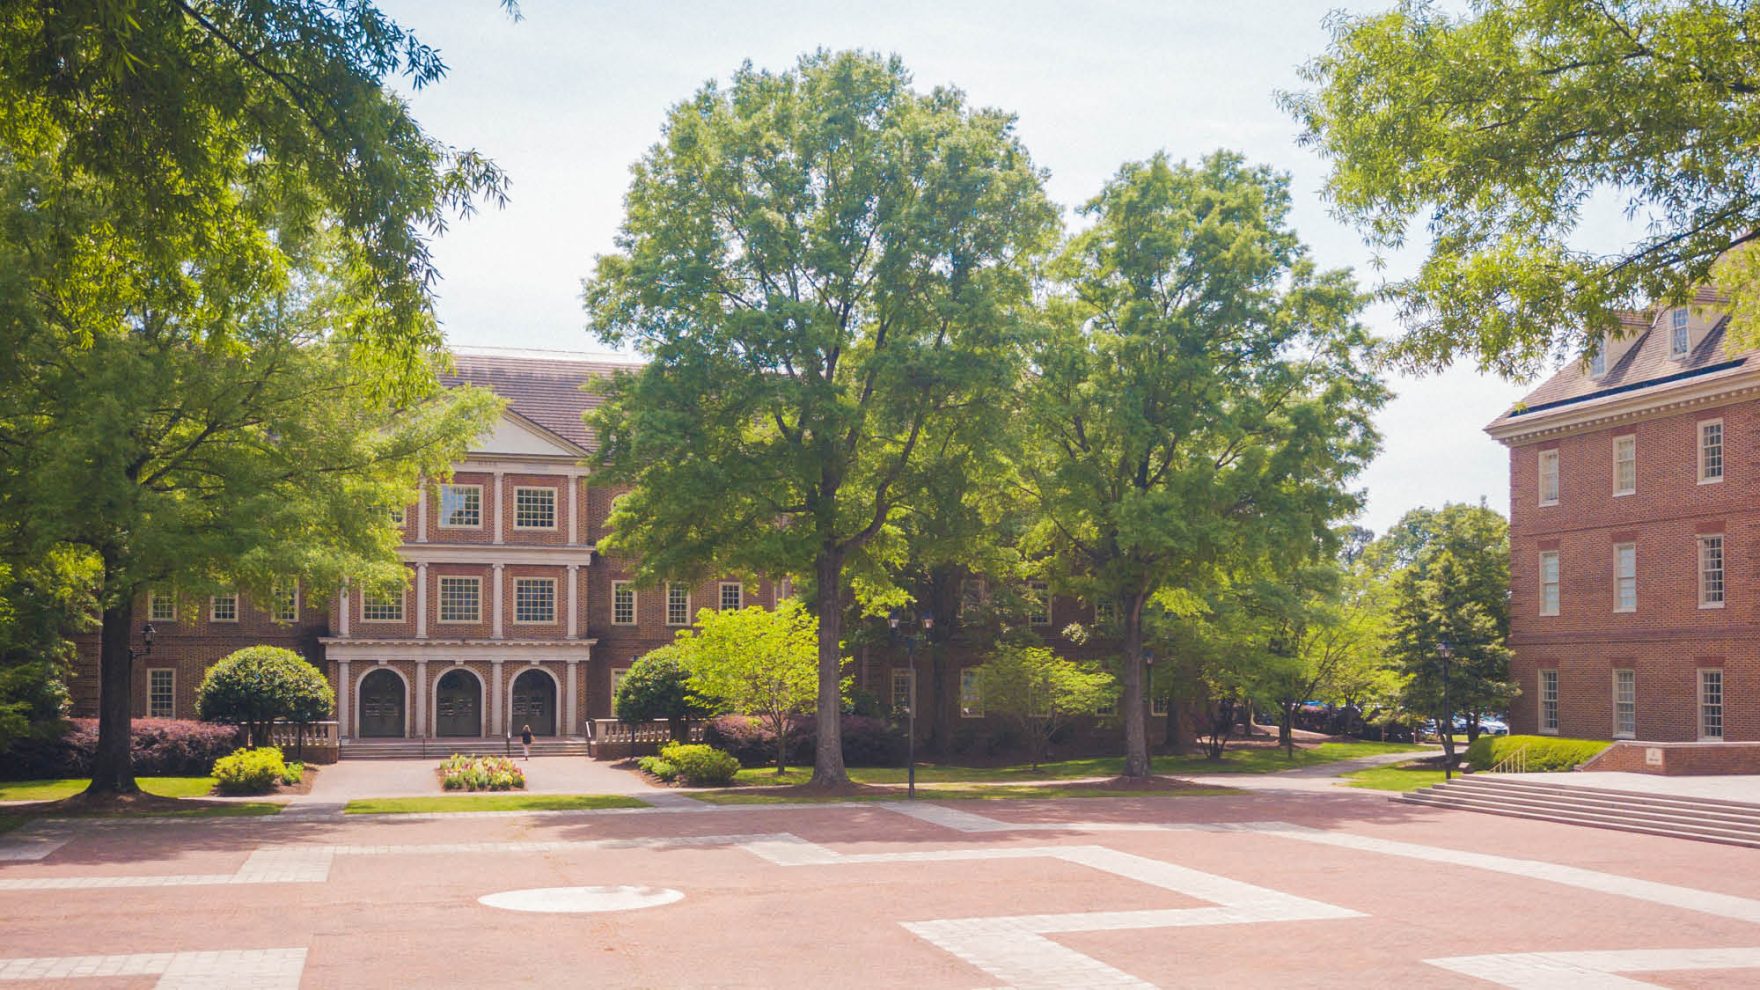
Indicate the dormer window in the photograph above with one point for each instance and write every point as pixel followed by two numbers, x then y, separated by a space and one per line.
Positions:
pixel 1678 337
pixel 1598 361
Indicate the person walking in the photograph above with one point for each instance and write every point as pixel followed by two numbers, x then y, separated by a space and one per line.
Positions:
pixel 525 739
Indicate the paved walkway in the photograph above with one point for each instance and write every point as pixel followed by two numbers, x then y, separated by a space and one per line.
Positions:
pixel 1742 788
pixel 342 782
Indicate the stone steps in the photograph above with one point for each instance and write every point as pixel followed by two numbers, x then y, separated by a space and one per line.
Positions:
pixel 440 748
pixel 1701 819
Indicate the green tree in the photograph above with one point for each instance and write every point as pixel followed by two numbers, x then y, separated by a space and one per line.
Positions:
pixel 1501 126
pixel 1201 400
pixel 40 601
pixel 1038 692
pixel 257 685
pixel 823 266
pixel 759 662
pixel 657 687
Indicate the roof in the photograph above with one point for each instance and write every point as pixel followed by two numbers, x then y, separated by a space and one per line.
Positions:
pixel 546 387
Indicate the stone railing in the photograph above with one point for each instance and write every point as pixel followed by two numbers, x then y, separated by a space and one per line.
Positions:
pixel 317 743
pixel 610 739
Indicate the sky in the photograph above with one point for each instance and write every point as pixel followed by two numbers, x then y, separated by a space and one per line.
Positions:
pixel 568 98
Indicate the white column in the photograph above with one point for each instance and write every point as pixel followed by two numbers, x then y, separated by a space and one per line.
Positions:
pixel 421 601
pixel 571 705
pixel 422 513
pixel 342 613
pixel 495 623
pixel 500 505
pixel 574 500
pixel 574 608
pixel 344 711
pixel 495 697
pixel 419 724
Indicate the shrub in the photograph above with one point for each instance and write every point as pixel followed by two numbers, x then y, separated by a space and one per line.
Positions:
pixel 159 747
pixel 699 765
pixel 250 771
pixel 867 741
pixel 295 772
pixel 480 773
pixel 255 686
pixel 659 767
pixel 657 688
pixel 1544 753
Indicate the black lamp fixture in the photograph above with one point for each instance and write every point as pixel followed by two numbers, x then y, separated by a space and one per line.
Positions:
pixel 1445 652
pixel 147 634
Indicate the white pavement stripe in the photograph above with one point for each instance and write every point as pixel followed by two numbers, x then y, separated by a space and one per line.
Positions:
pixel 1596 970
pixel 235 969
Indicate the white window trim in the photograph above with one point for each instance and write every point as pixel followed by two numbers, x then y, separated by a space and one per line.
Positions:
pixel 1540 701
pixel 1159 706
pixel 275 606
pixel 1041 590
pixel 1617 607
pixel 1598 360
pixel 721 595
pixel 971 711
pixel 1632 440
pixel 1722 706
pixel 1699 566
pixel 555 508
pixel 1558 582
pixel 688 612
pixel 1557 481
pixel 555 609
pixel 213 601
pixel 173 672
pixel 1722 449
pixel 402 610
pixel 440 500
pixel 634 603
pixel 398 515
pixel 153 598
pixel 440 599
pixel 1633 732
pixel 911 691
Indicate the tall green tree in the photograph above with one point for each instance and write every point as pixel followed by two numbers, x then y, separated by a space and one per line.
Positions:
pixel 1038 691
pixel 1201 398
pixel 758 662
pixel 1497 129
pixel 824 266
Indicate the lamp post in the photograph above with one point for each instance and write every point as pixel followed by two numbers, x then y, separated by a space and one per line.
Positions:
pixel 147 634
pixel 1445 651
pixel 893 620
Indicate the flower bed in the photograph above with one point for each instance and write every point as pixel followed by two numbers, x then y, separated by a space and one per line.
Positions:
pixel 481 773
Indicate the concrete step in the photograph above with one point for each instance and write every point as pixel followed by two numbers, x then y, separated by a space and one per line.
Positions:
pixel 1514 780
pixel 1632 804
pixel 1559 803
pixel 440 748
pixel 1597 821
pixel 1542 805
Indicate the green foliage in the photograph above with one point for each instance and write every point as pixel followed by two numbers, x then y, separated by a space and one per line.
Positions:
pixel 255 686
pixel 828 270
pixel 1544 754
pixel 294 773
pixel 250 771
pixel 1038 691
pixel 1497 126
pixel 41 600
pixel 698 765
pixel 659 767
pixel 657 687
pixel 461 772
pixel 758 662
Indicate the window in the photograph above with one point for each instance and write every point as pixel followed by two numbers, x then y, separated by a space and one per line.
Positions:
pixel 1109 709
pixel 623 603
pixel 1038 603
pixel 381 607
pixel 1598 360
pixel 396 515
pixel 223 608
pixel 1158 705
pixel 972 595
pixel 287 602
pixel 1106 611
pixel 1625 465
pixel 534 599
pixel 678 605
pixel 1625 577
pixel 1711 571
pixel 461 506
pixel 904 690
pixel 461 599
pixel 971 698
pixel 534 508
pixel 1549 701
pixel 162 693
pixel 161 607
pixel 1625 704
pixel 1677 340
pixel 617 676
pixel 1710 703
pixel 733 596
pixel 1710 451
pixel 1549 582
pixel 1549 477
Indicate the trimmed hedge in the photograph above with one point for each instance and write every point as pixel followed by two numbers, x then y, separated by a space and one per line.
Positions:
pixel 250 771
pixel 867 741
pixel 1545 753
pixel 162 747
pixel 658 767
pixel 698 765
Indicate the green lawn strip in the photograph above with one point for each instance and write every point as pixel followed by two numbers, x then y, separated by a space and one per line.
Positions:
pixel 490 802
pixel 1401 777
pixel 10 822
pixel 55 790
pixel 955 792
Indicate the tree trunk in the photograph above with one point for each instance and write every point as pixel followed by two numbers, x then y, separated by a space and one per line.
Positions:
pixel 782 745
pixel 828 751
pixel 940 720
pixel 1136 733
pixel 112 764
pixel 1287 729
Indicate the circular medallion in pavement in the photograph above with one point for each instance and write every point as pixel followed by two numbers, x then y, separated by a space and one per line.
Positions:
pixel 581 900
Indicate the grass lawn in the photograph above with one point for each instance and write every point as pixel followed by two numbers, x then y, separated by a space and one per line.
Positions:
pixel 957 792
pixel 55 790
pixel 1403 777
pixel 490 802
pixel 1256 760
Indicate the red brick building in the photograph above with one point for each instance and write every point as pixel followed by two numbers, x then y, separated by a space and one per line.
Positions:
pixel 1635 537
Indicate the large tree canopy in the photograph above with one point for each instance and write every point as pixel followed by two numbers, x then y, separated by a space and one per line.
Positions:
pixel 824 267
pixel 1499 127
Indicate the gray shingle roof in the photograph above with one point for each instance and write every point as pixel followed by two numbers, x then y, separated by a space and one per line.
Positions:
pixel 546 387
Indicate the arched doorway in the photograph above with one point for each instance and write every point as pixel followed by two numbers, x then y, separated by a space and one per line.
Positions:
pixel 458 704
pixel 382 708
pixel 534 702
